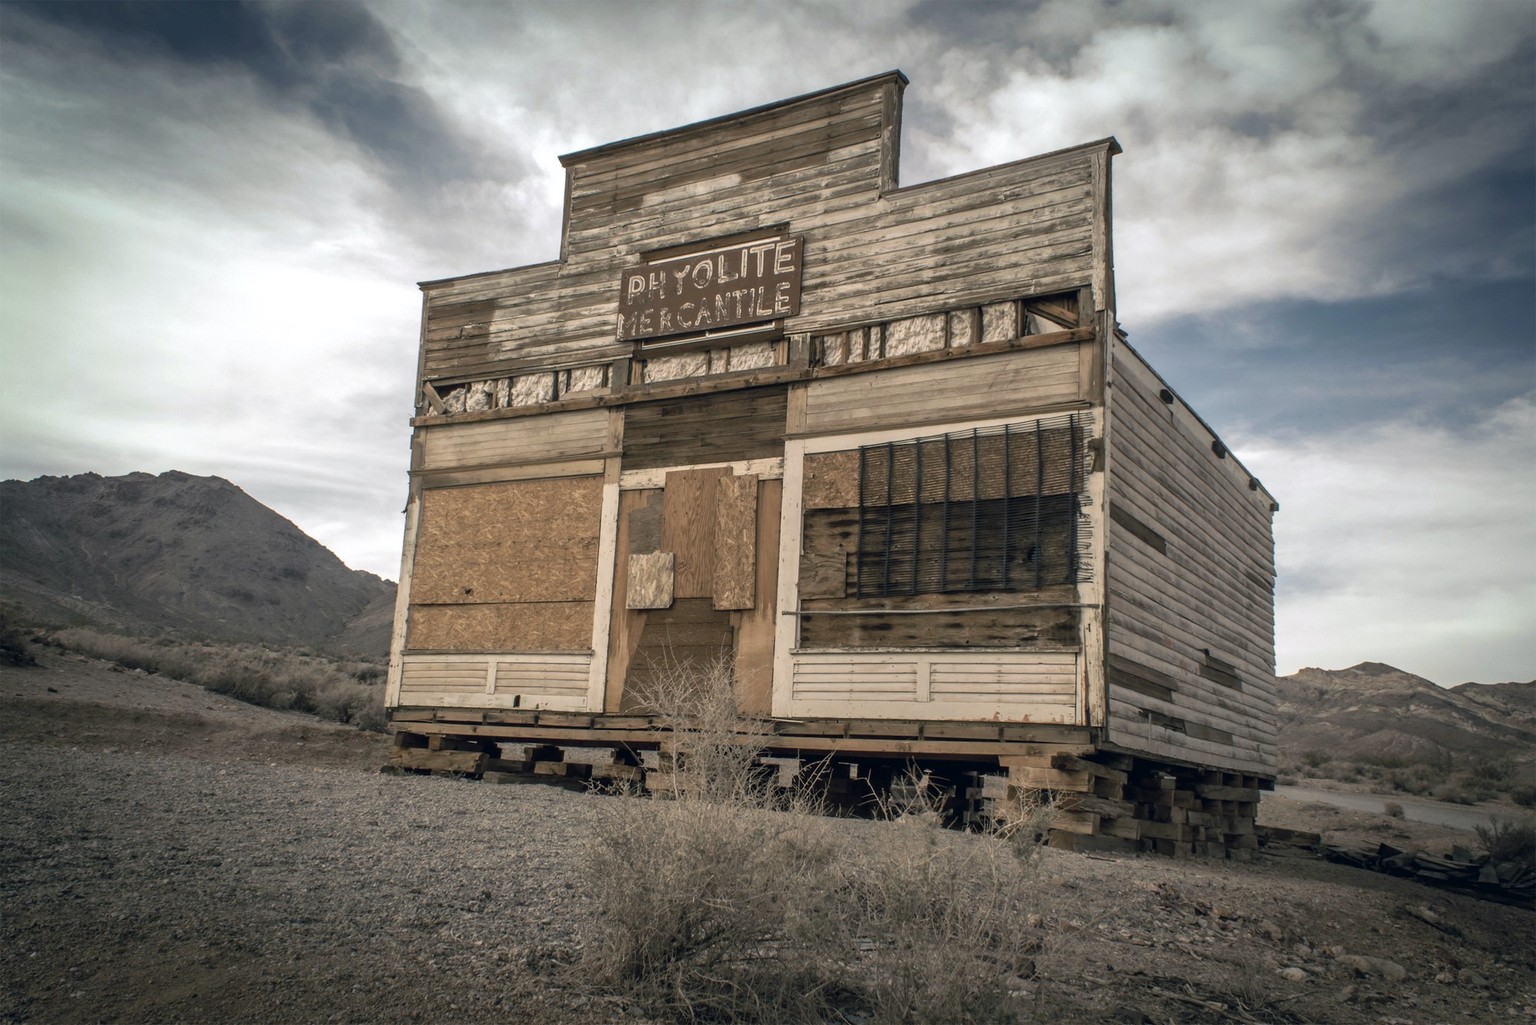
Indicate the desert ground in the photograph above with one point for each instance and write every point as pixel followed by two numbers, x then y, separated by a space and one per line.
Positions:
pixel 171 855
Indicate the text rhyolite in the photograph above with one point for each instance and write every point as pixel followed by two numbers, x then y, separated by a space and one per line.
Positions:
pixel 714 288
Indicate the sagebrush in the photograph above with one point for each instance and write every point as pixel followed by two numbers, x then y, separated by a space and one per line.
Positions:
pixel 1465 780
pixel 1507 840
pixel 724 898
pixel 342 690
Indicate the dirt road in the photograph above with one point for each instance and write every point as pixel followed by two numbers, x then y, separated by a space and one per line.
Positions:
pixel 172 855
pixel 1439 813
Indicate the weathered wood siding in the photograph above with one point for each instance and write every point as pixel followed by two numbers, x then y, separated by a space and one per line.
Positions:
pixel 1190 629
pixel 548 680
pixel 1004 656
pixel 987 386
pixel 824 166
pixel 557 436
pixel 1035 687
pixel 713 428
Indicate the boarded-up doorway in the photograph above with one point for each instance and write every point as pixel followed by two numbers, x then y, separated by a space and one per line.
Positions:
pixel 695 581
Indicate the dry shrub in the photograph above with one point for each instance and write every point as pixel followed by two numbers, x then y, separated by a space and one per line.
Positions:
pixel 1510 840
pixel 271 677
pixel 709 912
pixel 715 749
pixel 943 919
pixel 729 901
pixel 13 638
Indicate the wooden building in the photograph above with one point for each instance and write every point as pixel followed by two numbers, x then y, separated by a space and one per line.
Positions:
pixel 883 450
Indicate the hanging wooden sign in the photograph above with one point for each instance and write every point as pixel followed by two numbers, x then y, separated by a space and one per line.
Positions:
pixel 711 288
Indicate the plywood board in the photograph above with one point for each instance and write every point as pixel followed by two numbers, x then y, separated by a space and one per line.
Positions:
pixel 538 626
pixel 688 529
pixel 831 480
pixel 516 541
pixel 650 581
pixel 823 575
pixel 735 578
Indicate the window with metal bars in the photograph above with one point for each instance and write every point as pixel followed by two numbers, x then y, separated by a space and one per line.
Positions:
pixel 990 509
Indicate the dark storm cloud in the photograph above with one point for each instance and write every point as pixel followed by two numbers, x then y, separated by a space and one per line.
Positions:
pixel 1339 365
pixel 210 32
pixel 334 60
pixel 1450 340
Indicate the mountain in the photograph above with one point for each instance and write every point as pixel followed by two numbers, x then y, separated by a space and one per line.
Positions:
pixel 1375 711
pixel 195 554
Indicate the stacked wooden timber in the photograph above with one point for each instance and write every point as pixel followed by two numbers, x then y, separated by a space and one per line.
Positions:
pixel 1083 799
pixel 1117 803
pixel 503 763
pixel 1198 812
pixel 443 755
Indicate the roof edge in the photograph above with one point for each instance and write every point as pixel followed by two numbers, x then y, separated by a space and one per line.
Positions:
pixel 1122 341
pixel 1108 144
pixel 894 75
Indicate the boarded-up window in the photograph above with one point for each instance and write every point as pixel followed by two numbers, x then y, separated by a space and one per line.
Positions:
pixel 995 509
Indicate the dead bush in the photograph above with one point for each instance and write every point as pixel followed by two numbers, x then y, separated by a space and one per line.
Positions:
pixel 13 639
pixel 942 920
pixel 714 752
pixel 729 901
pixel 1508 840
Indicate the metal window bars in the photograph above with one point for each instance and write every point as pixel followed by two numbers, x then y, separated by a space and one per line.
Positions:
pixel 990 509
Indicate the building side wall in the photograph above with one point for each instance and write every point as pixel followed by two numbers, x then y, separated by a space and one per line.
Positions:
pixel 1190 657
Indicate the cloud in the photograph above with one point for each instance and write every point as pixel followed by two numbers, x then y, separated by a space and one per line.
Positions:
pixel 1338 366
pixel 198 279
pixel 1409 544
pixel 1271 149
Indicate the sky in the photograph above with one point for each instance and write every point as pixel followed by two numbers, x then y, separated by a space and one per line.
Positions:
pixel 213 217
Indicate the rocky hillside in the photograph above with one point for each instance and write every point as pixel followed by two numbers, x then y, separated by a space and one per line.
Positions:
pixel 190 553
pixel 1375 711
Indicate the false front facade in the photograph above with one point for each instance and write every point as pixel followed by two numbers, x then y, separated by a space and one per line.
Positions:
pixel 879 455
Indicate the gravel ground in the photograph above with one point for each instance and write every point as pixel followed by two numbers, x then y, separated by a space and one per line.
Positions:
pixel 169 855
pixel 173 889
